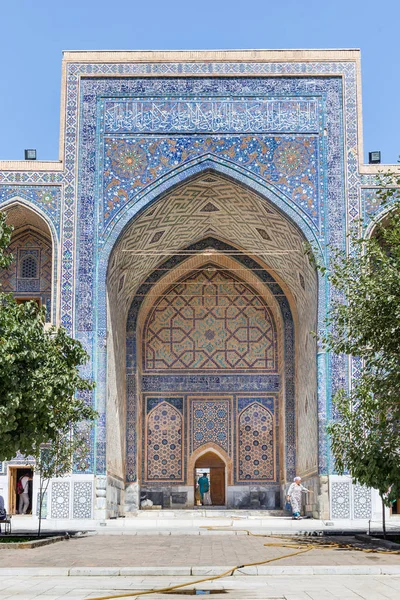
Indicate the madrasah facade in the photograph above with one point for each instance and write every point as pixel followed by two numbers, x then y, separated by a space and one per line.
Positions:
pixel 169 239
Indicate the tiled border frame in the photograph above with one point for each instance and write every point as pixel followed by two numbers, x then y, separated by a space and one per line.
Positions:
pixel 28 196
pixel 98 344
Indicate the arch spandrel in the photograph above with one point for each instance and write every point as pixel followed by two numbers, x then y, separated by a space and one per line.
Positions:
pixel 213 165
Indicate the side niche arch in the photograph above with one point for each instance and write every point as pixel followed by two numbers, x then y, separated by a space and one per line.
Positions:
pixel 257 447
pixel 31 275
pixel 163 444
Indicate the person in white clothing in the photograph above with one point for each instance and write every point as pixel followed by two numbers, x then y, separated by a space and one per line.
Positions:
pixel 294 496
pixel 23 492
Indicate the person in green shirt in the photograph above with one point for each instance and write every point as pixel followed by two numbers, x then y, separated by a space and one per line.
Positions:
pixel 203 485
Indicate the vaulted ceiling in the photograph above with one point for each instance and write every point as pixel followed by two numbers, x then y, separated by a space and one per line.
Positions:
pixel 210 206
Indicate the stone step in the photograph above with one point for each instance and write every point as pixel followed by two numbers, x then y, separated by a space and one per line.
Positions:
pixel 203 513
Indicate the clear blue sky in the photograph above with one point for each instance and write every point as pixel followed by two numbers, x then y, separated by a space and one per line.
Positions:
pixel 34 33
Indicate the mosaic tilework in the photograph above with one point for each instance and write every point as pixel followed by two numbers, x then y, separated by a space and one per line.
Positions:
pixel 237 214
pixel 372 209
pixel 290 163
pixel 30 246
pixel 153 402
pixel 196 115
pixel 237 383
pixel 212 383
pixel 46 198
pixel 210 321
pixel 256 452
pixel 210 421
pixel 328 88
pixel 60 491
pixel 164 427
pixel 82 500
pixel 149 403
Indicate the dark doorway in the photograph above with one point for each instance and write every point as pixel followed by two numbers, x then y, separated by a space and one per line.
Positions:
pixel 214 466
pixel 19 504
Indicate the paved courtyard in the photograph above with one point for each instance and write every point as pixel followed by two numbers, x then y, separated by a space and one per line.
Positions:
pixel 295 587
pixel 98 566
pixel 160 551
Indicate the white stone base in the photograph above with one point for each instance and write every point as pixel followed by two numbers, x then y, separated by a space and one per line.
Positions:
pixel 69 497
pixel 353 501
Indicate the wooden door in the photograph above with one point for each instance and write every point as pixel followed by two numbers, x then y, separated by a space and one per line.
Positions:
pixel 217 486
pixel 12 491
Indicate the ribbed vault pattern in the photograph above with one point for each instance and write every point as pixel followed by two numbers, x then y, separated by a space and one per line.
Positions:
pixel 207 206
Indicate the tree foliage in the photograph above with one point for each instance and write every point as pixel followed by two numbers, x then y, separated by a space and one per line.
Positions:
pixel 365 323
pixel 5 238
pixel 39 374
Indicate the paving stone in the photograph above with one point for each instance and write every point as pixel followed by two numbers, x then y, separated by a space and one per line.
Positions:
pixel 93 571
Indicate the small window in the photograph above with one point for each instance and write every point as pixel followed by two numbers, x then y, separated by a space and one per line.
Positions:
pixel 23 300
pixel 29 268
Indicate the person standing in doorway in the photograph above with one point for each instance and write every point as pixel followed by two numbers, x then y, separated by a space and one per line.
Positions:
pixel 23 493
pixel 204 486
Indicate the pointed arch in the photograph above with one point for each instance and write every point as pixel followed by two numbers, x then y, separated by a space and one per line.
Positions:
pixel 257 444
pixel 20 200
pixel 211 164
pixel 157 243
pixel 163 444
pixel 33 228
pixel 210 447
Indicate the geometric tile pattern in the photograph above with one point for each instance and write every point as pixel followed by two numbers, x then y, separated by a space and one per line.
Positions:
pixel 182 218
pixel 256 444
pixel 340 499
pixel 60 491
pixel 164 427
pixel 362 502
pixel 289 162
pixel 30 249
pixel 28 246
pixel 210 321
pixel 189 381
pixel 210 422
pixel 82 499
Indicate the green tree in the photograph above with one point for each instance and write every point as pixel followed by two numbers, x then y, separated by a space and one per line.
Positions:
pixel 41 386
pixel 5 238
pixel 365 323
